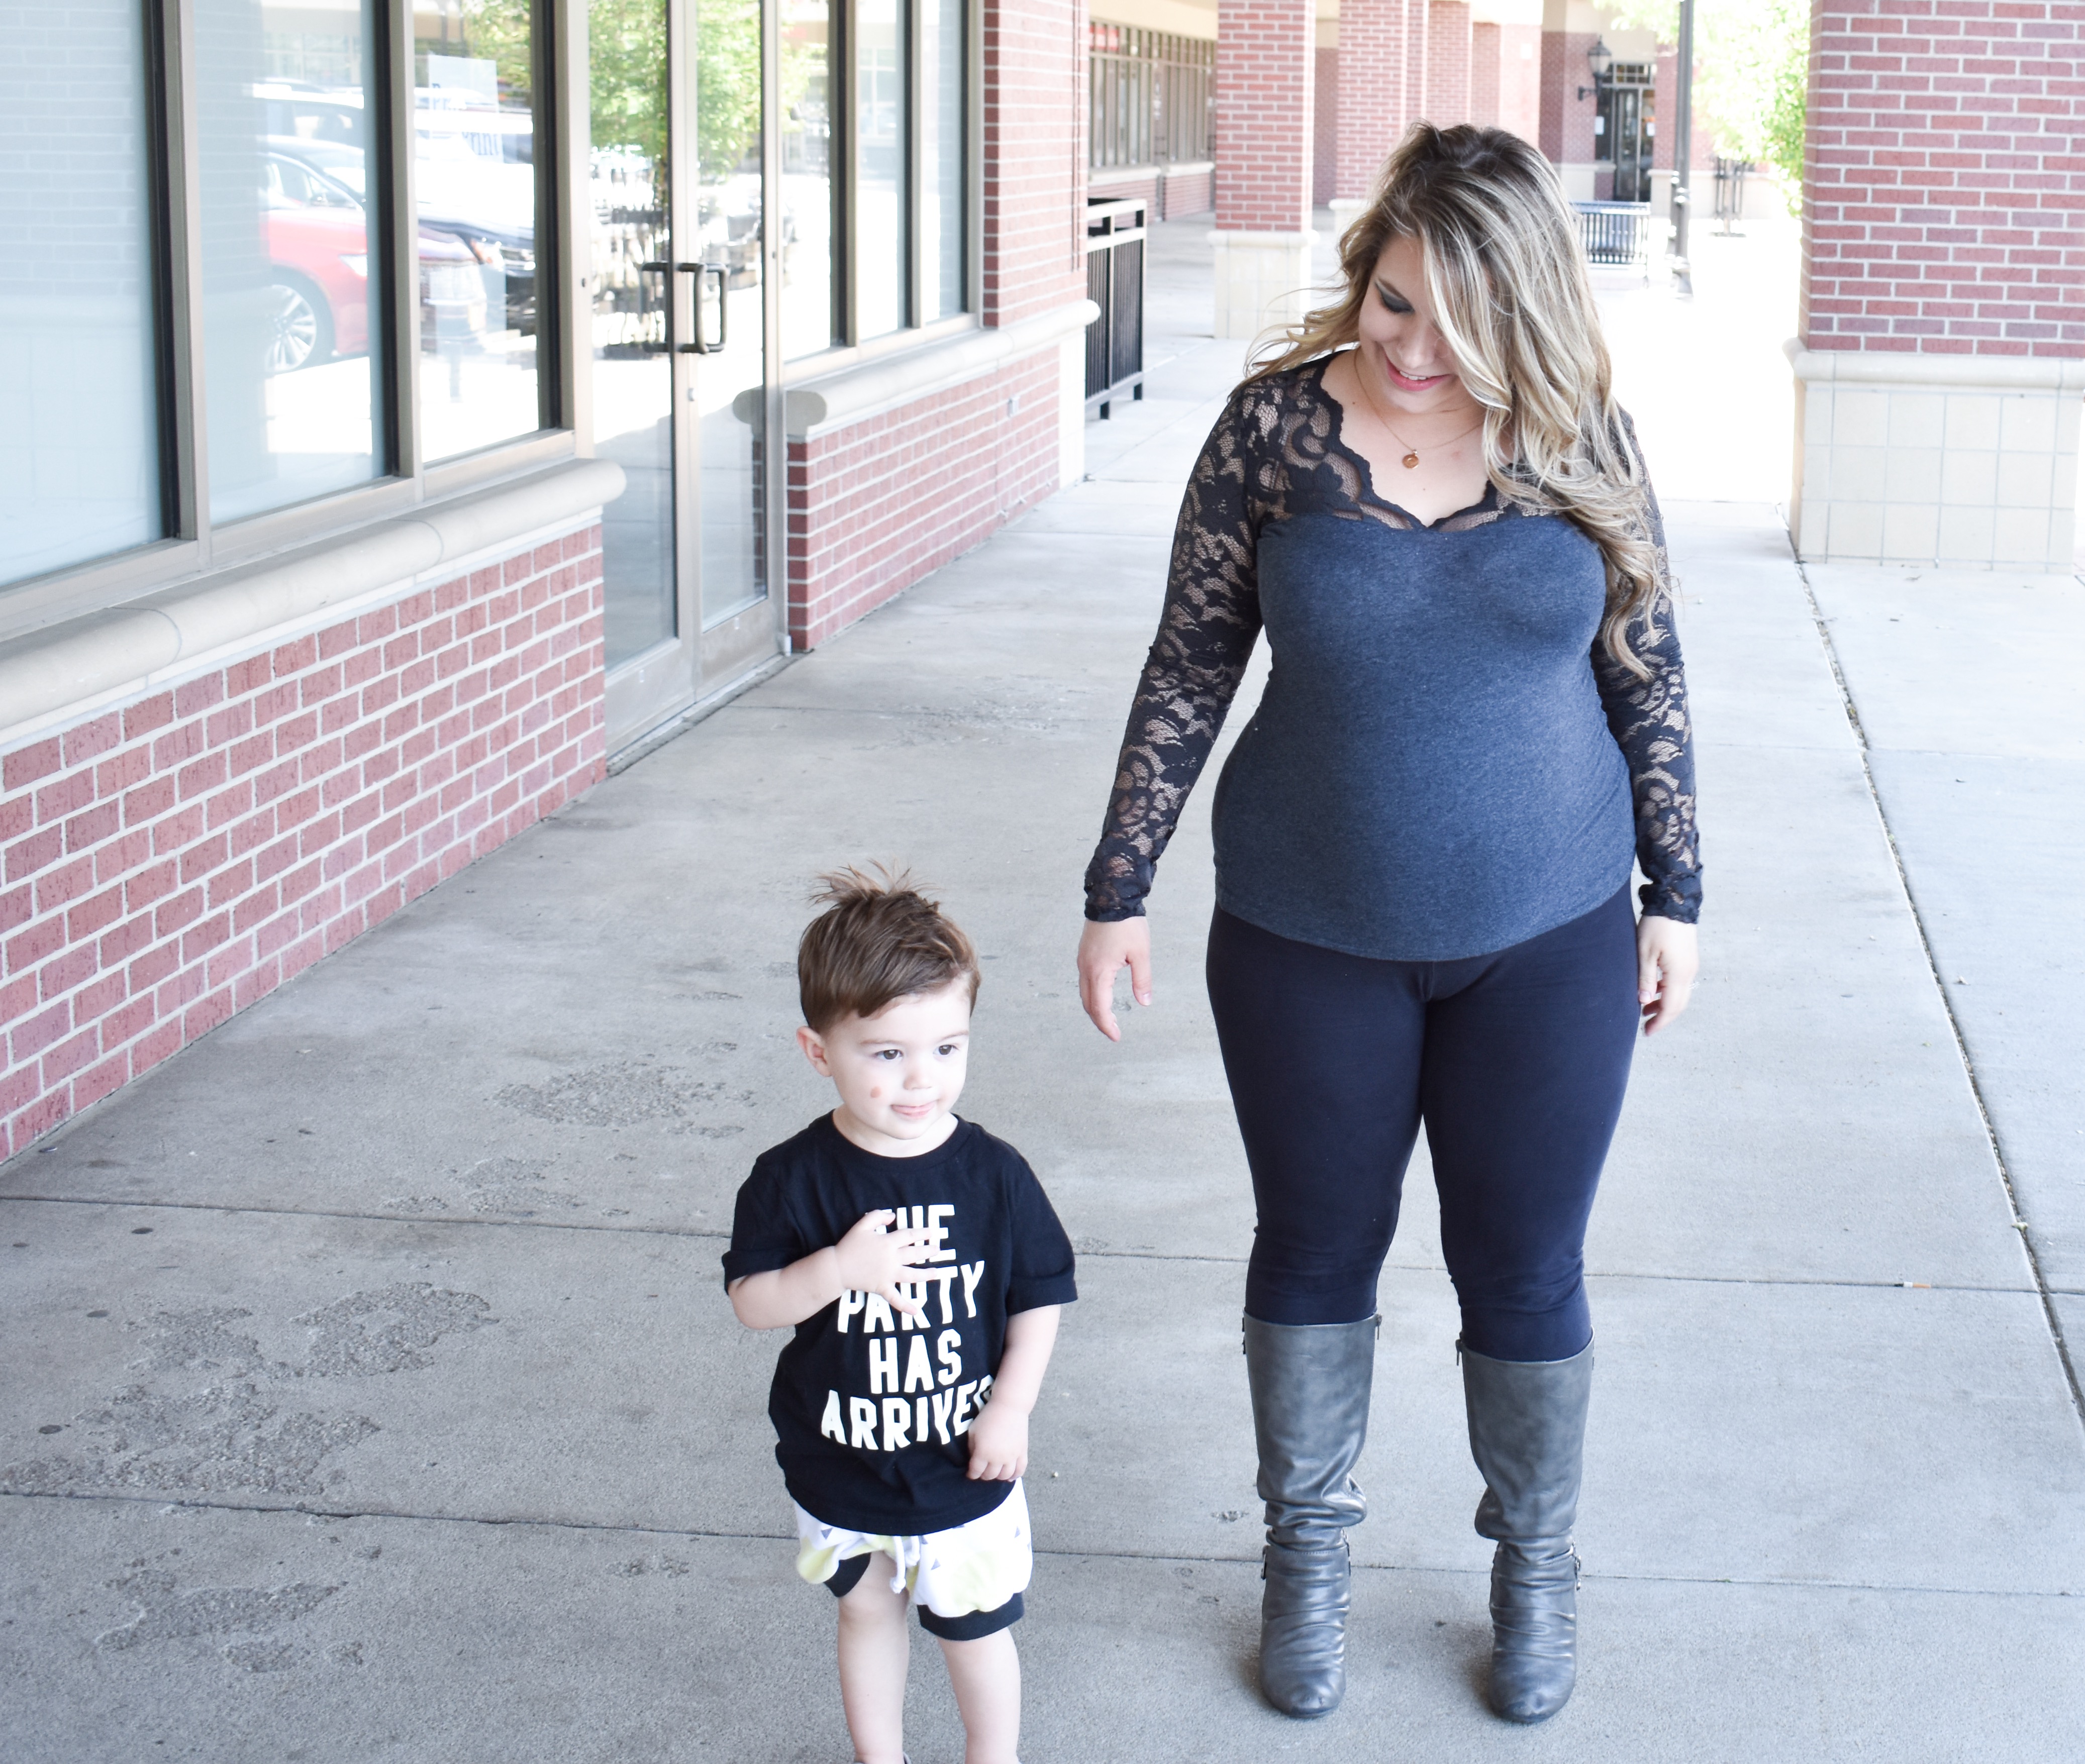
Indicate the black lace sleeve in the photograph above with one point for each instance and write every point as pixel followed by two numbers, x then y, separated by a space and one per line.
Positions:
pixel 1205 637
pixel 1650 723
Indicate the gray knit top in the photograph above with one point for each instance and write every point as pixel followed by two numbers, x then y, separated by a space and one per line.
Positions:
pixel 1446 761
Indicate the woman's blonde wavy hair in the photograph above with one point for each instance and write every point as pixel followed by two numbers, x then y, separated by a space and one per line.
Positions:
pixel 1512 300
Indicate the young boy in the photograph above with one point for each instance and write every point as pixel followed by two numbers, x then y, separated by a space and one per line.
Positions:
pixel 924 1269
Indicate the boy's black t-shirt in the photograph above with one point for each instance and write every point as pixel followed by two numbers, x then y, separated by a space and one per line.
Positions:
pixel 872 1408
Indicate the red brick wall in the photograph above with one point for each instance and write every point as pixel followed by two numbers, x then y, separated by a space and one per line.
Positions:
pixel 1371 112
pixel 1192 193
pixel 1448 71
pixel 1520 80
pixel 1701 149
pixel 1417 32
pixel 1484 72
pixel 875 506
pixel 1944 179
pixel 1143 189
pixel 170 862
pixel 1325 128
pixel 1567 120
pixel 1034 157
pixel 1264 77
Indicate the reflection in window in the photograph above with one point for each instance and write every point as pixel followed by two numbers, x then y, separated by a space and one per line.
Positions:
pixel 79 454
pixel 879 230
pixel 295 391
pixel 730 306
pixel 808 309
pixel 474 179
pixel 942 56
pixel 633 376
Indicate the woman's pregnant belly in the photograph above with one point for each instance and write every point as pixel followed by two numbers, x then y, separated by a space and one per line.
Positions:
pixel 1428 773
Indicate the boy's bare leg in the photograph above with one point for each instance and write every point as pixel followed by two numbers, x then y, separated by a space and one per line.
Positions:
pixel 987 1675
pixel 875 1646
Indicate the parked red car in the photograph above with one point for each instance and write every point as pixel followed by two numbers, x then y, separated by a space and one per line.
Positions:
pixel 317 236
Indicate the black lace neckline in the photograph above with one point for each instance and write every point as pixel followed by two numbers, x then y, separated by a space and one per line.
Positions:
pixel 1366 473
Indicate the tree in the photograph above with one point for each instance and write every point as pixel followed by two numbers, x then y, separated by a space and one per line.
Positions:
pixel 626 75
pixel 1752 58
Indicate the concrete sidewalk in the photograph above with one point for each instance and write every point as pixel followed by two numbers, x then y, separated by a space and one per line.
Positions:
pixel 375 1394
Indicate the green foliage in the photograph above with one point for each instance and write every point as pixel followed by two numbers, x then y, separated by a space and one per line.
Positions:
pixel 1782 133
pixel 626 52
pixel 496 31
pixel 626 75
pixel 1753 57
pixel 728 75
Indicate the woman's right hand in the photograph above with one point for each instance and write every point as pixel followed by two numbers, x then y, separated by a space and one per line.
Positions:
pixel 1103 949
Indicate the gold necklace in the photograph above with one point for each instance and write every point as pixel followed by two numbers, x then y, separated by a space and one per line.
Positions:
pixel 1411 460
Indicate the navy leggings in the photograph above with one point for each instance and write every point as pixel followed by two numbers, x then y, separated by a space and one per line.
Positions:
pixel 1516 1062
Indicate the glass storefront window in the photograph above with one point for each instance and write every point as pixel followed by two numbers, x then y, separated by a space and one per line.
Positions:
pixel 941 58
pixel 881 244
pixel 475 174
pixel 79 456
pixel 809 312
pixel 633 377
pixel 293 388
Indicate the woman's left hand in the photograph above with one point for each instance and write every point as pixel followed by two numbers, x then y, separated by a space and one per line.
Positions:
pixel 1667 958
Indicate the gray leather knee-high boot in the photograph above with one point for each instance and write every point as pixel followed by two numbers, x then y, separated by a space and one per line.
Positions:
pixel 1527 1433
pixel 1310 1410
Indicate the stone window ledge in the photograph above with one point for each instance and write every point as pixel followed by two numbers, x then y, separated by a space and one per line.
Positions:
pixel 58 674
pixel 1905 367
pixel 817 407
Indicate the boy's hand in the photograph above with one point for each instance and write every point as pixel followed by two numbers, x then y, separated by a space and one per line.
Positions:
pixel 998 1441
pixel 872 1256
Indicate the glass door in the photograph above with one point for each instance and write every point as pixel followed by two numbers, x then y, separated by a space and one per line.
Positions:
pixel 680 386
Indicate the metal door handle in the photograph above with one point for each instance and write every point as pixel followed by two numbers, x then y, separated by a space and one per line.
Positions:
pixel 669 346
pixel 699 347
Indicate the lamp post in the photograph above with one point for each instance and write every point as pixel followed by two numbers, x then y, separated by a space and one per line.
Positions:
pixel 1683 148
pixel 1601 59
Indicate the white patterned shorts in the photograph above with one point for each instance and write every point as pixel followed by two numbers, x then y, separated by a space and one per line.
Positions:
pixel 966 1581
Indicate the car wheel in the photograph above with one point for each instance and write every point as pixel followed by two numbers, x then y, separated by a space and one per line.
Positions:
pixel 300 329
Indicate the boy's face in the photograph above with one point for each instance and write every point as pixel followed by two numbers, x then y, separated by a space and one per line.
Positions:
pixel 899 1072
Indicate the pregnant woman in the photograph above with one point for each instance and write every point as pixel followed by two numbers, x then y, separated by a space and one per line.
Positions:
pixel 1475 722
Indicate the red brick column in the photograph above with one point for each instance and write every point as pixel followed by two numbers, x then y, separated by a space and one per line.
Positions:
pixel 1943 258
pixel 1034 165
pixel 1520 79
pixel 1325 125
pixel 1449 51
pixel 1945 194
pixel 1566 129
pixel 1264 79
pixel 1416 34
pixel 1265 75
pixel 1485 52
pixel 1371 82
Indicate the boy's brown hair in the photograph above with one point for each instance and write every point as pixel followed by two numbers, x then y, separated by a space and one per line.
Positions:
pixel 882 941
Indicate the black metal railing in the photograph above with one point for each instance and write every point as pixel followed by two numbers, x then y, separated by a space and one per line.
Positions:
pixel 1730 191
pixel 1616 233
pixel 1115 283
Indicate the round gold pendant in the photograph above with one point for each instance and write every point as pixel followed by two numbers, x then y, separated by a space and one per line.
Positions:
pixel 1411 460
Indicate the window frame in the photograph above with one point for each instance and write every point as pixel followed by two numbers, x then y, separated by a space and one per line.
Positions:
pixel 1149 131
pixel 848 346
pixel 193 545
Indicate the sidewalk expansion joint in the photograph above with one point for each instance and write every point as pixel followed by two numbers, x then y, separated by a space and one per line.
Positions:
pixel 717 1236
pixel 378 1219
pixel 1589 1576
pixel 309 1510
pixel 2025 1231
pixel 345 1514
